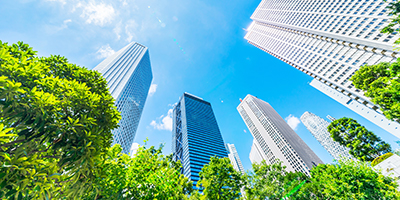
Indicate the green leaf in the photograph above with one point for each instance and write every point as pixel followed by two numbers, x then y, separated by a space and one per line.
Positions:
pixel 2 175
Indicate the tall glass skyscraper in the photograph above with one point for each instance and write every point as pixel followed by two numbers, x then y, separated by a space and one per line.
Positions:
pixel 319 129
pixel 195 135
pixel 275 137
pixel 128 74
pixel 234 157
pixel 328 40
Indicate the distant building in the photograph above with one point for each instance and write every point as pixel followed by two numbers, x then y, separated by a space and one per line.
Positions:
pixel 256 155
pixel 195 135
pixel 128 74
pixel 234 157
pixel 319 129
pixel 275 137
pixel 328 40
pixel 134 148
pixel 391 167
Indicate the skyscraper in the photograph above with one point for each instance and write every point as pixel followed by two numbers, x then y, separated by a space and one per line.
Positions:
pixel 328 40
pixel 234 157
pixel 195 135
pixel 128 74
pixel 256 155
pixel 275 137
pixel 319 129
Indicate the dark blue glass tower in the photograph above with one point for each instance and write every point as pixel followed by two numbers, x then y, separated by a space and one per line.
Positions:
pixel 195 135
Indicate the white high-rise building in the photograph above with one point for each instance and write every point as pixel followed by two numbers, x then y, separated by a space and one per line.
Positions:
pixel 319 129
pixel 234 157
pixel 256 155
pixel 328 40
pixel 274 138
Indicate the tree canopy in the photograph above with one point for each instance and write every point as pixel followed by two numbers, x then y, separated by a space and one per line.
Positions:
pixel 392 28
pixel 271 181
pixel 363 144
pixel 55 121
pixel 219 180
pixel 348 179
pixel 146 175
pixel 381 83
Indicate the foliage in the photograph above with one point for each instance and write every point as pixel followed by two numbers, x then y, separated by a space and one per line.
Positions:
pixel 148 175
pixel 348 180
pixel 381 83
pixel 271 181
pixel 381 158
pixel 395 21
pixel 55 122
pixel 219 180
pixel 363 144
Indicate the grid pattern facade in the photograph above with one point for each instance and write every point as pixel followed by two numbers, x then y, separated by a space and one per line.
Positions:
pixel 234 157
pixel 328 40
pixel 195 136
pixel 128 74
pixel 275 137
pixel 319 129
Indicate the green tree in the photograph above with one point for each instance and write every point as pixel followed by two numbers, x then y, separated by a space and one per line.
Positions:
pixel 55 123
pixel 219 180
pixel 148 175
pixel 348 180
pixel 271 181
pixel 381 83
pixel 392 28
pixel 363 144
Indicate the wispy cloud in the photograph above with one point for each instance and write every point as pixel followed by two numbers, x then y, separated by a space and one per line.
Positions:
pixel 117 30
pixel 97 13
pixel 130 29
pixel 165 123
pixel 105 51
pixel 292 121
pixel 153 89
pixel 64 25
pixel 124 3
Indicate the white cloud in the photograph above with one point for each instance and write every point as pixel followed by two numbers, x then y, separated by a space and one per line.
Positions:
pixel 153 89
pixel 64 25
pixel 166 122
pixel 67 21
pixel 131 25
pixel 105 51
pixel 124 3
pixel 98 14
pixel 292 121
pixel 117 30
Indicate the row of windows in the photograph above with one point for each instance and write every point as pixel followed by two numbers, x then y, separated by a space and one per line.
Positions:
pixel 291 156
pixel 321 55
pixel 358 23
pixel 131 102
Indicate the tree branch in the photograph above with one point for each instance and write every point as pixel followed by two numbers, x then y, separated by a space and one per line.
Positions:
pixel 11 143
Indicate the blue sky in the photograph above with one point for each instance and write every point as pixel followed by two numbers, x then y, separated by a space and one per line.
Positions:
pixel 195 46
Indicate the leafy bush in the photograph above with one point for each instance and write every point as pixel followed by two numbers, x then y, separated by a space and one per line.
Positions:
pixel 55 122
